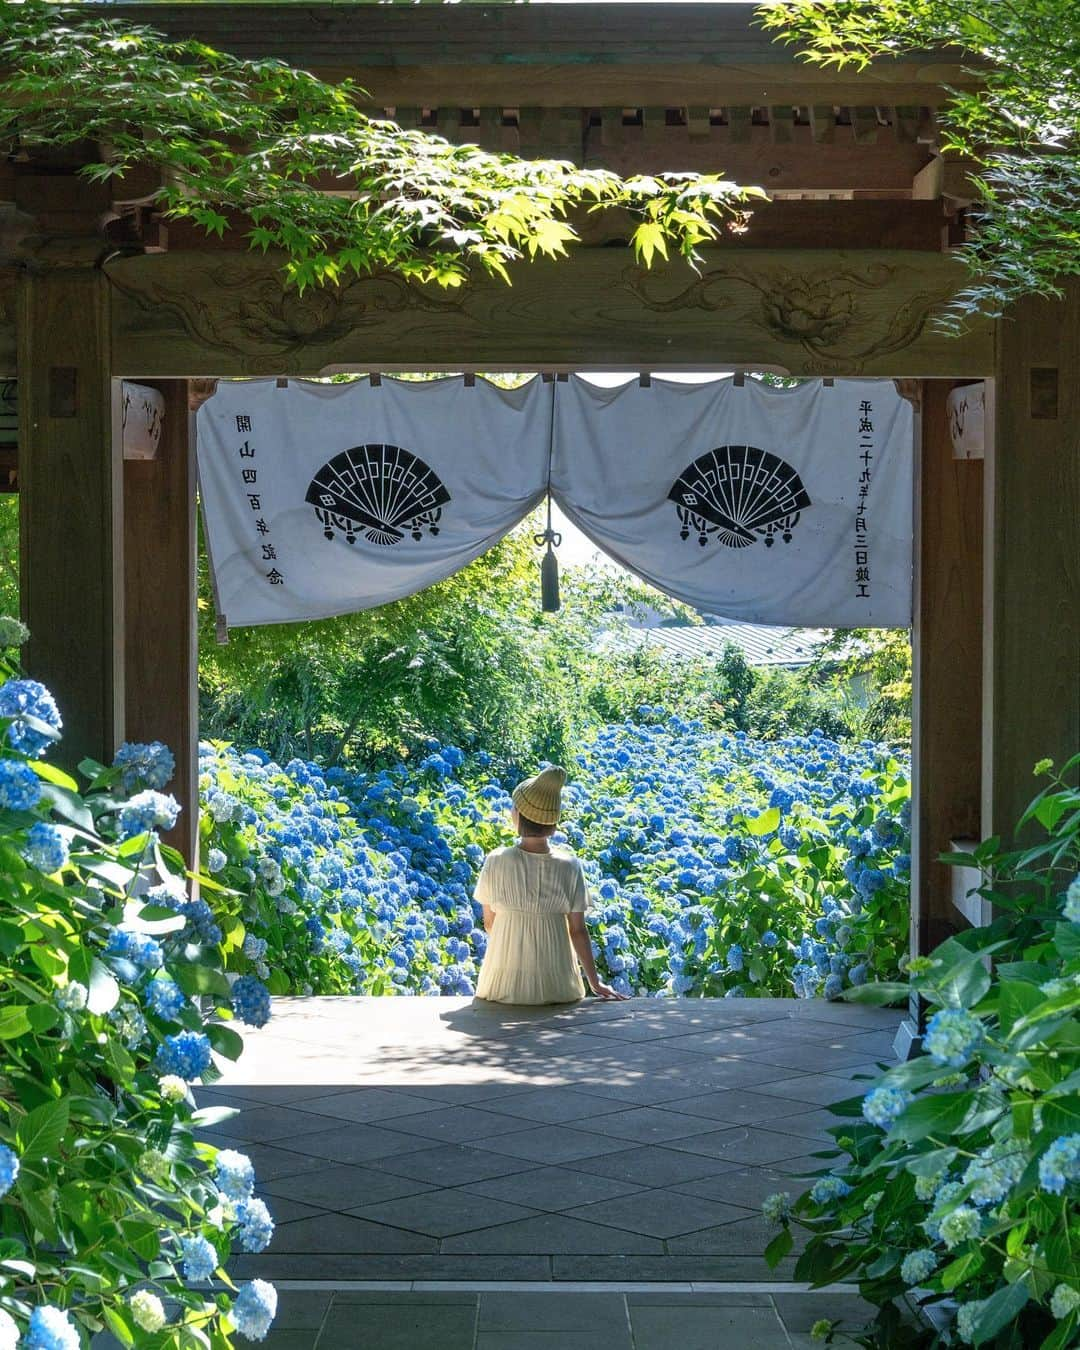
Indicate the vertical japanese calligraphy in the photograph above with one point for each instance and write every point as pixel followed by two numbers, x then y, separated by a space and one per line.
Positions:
pixel 249 477
pixel 862 536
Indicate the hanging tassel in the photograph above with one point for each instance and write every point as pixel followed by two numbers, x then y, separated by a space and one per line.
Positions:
pixel 549 567
pixel 549 582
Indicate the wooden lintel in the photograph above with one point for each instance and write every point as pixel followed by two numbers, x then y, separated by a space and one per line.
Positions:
pixel 811 313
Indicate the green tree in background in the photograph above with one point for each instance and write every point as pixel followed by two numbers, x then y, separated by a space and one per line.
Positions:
pixel 1020 127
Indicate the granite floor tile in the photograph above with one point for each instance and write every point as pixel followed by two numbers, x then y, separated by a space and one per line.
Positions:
pixel 818 1089
pixel 743 1144
pixel 661 1328
pixel 331 1266
pixel 552 1106
pixel 273 1163
pixel 284 1210
pixel 647 1125
pixel 366 1105
pixel 553 1188
pixel 442 1213
pixel 418 1326
pixel 356 1143
pixel 616 1338
pixel 670 1269
pixel 297 1338
pixel 811 1126
pixel 747 1236
pixel 455 1125
pixel 340 1187
pixel 344 1233
pixel 661 1214
pixel 597 1313
pixel 259 1124
pixel 745 1188
pixel 799 1312
pixel 301 1309
pixel 740 1106
pixel 658 1166
pixel 551 1233
pixel 554 1144
pixel 451 1164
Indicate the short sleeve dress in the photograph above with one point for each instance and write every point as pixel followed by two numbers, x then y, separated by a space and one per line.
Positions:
pixel 529 956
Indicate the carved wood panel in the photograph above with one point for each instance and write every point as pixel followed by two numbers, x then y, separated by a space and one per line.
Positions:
pixel 813 312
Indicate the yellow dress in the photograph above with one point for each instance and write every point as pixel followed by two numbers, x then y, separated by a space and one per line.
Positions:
pixel 529 956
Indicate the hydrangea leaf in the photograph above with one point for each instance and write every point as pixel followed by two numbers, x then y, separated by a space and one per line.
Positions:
pixel 938 1115
pixel 39 1132
pixel 1001 1308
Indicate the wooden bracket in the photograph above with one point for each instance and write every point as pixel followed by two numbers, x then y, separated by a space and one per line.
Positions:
pixel 141 418
pixel 198 391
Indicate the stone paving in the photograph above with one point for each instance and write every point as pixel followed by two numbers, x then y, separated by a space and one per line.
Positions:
pixel 555 1320
pixel 445 1140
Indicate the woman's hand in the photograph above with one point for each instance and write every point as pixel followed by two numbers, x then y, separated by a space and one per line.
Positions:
pixel 609 995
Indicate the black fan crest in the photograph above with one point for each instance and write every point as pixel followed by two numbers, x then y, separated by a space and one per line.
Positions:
pixel 739 493
pixel 379 491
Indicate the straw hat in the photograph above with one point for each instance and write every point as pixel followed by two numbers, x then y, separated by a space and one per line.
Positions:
pixel 537 798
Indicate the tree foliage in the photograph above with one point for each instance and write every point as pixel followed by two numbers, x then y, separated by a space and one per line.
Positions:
pixel 259 141
pixel 1020 126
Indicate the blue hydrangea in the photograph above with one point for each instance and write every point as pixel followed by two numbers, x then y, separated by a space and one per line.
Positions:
pixel 215 860
pixel 146 811
pixel 254 1309
pixel 200 1259
pixel 46 848
pixel 22 699
pixel 251 1001
pixel 20 787
pixel 145 766
pixel 9 1168
pixel 1060 1164
pixel 735 957
pixel 256 1225
pixel 138 948
pixel 991 1176
pixel 51 1329
pixel 918 1266
pixel 769 940
pixel 960 1225
pixel 1072 901
pixel 185 1054
pixel 828 1189
pixel 884 1104
pixel 165 998
pixel 235 1175
pixel 953 1036
pixel 967 1316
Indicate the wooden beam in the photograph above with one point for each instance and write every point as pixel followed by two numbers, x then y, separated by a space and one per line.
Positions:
pixel 946 664
pixel 812 312
pixel 634 55
pixel 71 546
pixel 1031 671
pixel 161 649
pixel 8 307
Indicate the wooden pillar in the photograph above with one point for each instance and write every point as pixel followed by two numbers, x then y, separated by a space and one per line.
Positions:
pixel 946 665
pixel 161 649
pixel 71 550
pixel 1031 656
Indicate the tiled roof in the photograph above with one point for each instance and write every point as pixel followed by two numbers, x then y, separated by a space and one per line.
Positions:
pixel 761 645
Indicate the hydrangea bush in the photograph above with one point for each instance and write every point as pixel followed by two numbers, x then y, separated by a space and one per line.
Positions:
pixel 113 1213
pixel 955 1187
pixel 720 865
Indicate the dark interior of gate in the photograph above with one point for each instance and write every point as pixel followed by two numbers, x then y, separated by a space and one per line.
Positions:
pixel 839 275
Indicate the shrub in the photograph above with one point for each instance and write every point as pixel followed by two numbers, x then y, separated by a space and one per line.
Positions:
pixel 719 864
pixel 113 1214
pixel 956 1181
